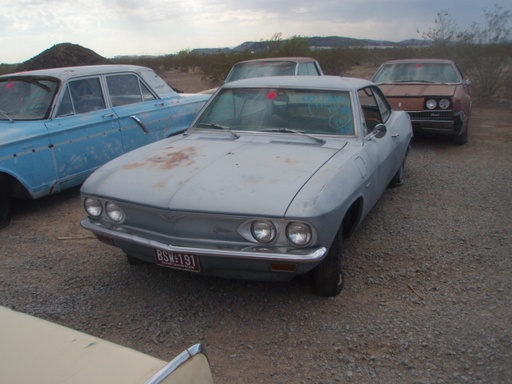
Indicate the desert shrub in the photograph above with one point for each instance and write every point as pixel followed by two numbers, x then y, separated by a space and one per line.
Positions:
pixel 483 52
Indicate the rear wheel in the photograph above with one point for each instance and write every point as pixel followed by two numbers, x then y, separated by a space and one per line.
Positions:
pixel 328 277
pixel 5 201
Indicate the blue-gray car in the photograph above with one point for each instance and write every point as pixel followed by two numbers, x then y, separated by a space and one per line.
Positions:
pixel 59 125
pixel 266 184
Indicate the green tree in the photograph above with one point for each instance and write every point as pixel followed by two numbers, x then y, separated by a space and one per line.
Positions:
pixel 482 51
pixel 295 46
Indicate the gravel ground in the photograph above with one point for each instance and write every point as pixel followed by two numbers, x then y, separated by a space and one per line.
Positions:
pixel 428 296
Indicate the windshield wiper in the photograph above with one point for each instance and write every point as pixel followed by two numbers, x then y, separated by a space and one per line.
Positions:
pixel 415 81
pixel 218 126
pixel 288 130
pixel 7 115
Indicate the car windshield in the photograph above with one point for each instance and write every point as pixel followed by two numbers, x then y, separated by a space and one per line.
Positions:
pixel 416 73
pixel 26 98
pixel 281 110
pixel 261 69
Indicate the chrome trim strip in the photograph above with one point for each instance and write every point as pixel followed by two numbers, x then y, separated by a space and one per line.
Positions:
pixel 175 363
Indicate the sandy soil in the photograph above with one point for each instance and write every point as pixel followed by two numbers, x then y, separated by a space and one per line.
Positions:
pixel 428 295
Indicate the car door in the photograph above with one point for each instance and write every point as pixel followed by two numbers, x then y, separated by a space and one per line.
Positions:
pixel 379 149
pixel 143 117
pixel 84 133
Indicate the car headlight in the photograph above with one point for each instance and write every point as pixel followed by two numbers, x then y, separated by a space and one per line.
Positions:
pixel 114 212
pixel 93 207
pixel 263 231
pixel 299 234
pixel 431 104
pixel 444 103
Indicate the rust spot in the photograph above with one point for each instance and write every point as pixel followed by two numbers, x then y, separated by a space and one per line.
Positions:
pixel 292 161
pixel 171 159
pixel 167 160
pixel 133 166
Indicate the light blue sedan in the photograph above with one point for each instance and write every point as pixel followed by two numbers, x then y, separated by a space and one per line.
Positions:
pixel 59 125
pixel 266 184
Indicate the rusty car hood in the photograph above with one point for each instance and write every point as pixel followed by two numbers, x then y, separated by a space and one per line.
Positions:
pixel 418 89
pixel 258 174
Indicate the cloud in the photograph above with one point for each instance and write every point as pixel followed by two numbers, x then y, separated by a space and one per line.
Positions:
pixel 117 27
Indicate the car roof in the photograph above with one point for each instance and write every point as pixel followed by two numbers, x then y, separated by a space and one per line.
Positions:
pixel 418 61
pixel 65 73
pixel 293 59
pixel 313 82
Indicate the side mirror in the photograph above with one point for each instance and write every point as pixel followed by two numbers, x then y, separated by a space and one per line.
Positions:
pixel 379 131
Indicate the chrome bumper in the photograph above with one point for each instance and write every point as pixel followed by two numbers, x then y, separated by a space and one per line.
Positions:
pixel 262 253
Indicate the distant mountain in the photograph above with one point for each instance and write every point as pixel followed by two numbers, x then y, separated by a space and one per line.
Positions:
pixel 318 43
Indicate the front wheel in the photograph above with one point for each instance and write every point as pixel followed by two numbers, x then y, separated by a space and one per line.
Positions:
pixel 398 179
pixel 328 277
pixel 5 202
pixel 463 138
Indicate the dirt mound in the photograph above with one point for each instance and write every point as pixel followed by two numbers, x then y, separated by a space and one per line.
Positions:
pixel 63 55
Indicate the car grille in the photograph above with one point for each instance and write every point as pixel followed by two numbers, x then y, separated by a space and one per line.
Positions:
pixel 431 115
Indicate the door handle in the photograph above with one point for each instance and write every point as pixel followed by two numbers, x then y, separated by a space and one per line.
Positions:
pixel 141 124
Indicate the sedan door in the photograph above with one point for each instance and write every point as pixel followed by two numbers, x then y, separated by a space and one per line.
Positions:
pixel 85 132
pixel 380 150
pixel 143 117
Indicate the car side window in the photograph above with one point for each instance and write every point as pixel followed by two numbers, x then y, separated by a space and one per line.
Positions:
pixel 86 96
pixel 127 89
pixel 308 69
pixel 374 107
pixel 66 106
pixel 384 107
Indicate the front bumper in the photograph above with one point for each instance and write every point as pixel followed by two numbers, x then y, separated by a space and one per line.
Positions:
pixel 253 261
pixel 438 122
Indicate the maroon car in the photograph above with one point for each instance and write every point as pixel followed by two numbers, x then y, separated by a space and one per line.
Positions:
pixel 433 92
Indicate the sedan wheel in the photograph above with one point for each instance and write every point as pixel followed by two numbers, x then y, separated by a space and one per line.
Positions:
pixel 461 139
pixel 328 277
pixel 398 179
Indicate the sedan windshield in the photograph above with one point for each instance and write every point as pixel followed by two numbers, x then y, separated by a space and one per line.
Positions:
pixel 280 110
pixel 261 69
pixel 416 73
pixel 26 98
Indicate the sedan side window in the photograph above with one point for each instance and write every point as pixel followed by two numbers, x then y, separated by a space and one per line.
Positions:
pixel 371 109
pixel 86 95
pixel 384 107
pixel 127 89
pixel 308 69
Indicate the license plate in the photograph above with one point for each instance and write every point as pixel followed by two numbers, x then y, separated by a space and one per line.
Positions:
pixel 177 260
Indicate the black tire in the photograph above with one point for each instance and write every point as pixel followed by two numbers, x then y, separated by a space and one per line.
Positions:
pixel 5 202
pixel 462 139
pixel 398 179
pixel 132 260
pixel 328 277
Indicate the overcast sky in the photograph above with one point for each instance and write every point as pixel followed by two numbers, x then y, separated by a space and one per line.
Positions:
pixel 155 27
